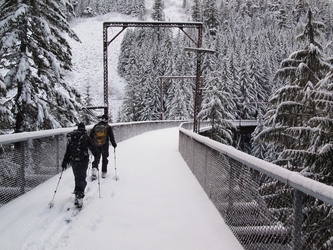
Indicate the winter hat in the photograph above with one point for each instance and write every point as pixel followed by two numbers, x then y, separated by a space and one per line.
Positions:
pixel 81 126
pixel 104 118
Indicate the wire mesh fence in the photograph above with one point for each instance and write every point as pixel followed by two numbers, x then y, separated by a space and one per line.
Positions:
pixel 29 159
pixel 264 210
pixel 26 164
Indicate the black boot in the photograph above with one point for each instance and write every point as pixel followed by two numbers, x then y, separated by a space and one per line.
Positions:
pixel 78 199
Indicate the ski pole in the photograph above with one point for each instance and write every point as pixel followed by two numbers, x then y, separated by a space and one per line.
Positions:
pixel 115 164
pixel 90 160
pixel 51 204
pixel 99 184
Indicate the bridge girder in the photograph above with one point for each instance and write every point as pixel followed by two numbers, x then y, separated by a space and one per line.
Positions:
pixel 181 26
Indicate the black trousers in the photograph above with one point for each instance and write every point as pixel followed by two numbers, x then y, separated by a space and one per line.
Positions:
pixel 80 174
pixel 104 151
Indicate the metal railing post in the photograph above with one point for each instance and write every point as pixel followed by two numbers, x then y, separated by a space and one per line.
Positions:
pixel 206 176
pixel 57 152
pixel 298 220
pixel 22 146
pixel 230 198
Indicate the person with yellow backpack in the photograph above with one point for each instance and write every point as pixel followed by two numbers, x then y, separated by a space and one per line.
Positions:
pixel 101 134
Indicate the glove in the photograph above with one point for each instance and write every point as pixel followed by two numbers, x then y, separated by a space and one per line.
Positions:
pixel 114 145
pixel 64 165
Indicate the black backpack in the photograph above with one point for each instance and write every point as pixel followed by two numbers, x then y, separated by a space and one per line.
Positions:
pixel 77 145
pixel 100 135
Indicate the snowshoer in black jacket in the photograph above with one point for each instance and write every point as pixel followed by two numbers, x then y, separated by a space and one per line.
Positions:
pixel 101 134
pixel 78 143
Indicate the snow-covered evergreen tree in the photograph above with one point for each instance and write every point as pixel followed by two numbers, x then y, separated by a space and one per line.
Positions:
pixel 179 108
pixel 133 103
pixel 87 102
pixel 247 98
pixel 301 7
pixel 292 106
pixel 214 110
pixel 322 125
pixel 158 11
pixel 259 149
pixel 196 11
pixel 138 9
pixel 6 115
pixel 126 53
pixel 151 100
pixel 34 54
pixel 210 16
pixel 260 83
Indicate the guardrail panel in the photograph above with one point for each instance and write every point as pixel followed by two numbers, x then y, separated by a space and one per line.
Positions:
pixel 266 206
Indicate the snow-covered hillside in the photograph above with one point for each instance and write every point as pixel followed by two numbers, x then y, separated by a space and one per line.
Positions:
pixel 88 60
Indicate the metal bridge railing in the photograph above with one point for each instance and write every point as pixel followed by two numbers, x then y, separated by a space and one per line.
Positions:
pixel 30 158
pixel 265 205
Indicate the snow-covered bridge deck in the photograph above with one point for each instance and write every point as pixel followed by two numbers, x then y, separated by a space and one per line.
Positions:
pixel 156 204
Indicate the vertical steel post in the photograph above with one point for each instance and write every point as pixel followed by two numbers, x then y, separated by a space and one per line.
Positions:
pixel 298 220
pixel 22 181
pixel 105 64
pixel 197 97
pixel 230 195
pixel 57 152
pixel 161 105
pixel 206 181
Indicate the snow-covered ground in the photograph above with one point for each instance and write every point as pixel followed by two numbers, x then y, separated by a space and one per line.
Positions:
pixel 156 204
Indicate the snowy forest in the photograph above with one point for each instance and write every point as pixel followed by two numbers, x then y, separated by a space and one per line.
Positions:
pixel 273 62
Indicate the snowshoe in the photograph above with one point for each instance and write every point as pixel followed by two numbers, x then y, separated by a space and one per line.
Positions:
pixel 78 202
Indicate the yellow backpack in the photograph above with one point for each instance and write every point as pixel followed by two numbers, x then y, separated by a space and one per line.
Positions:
pixel 100 134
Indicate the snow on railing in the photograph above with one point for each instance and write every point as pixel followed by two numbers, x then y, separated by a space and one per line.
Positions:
pixel 265 205
pixel 27 159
